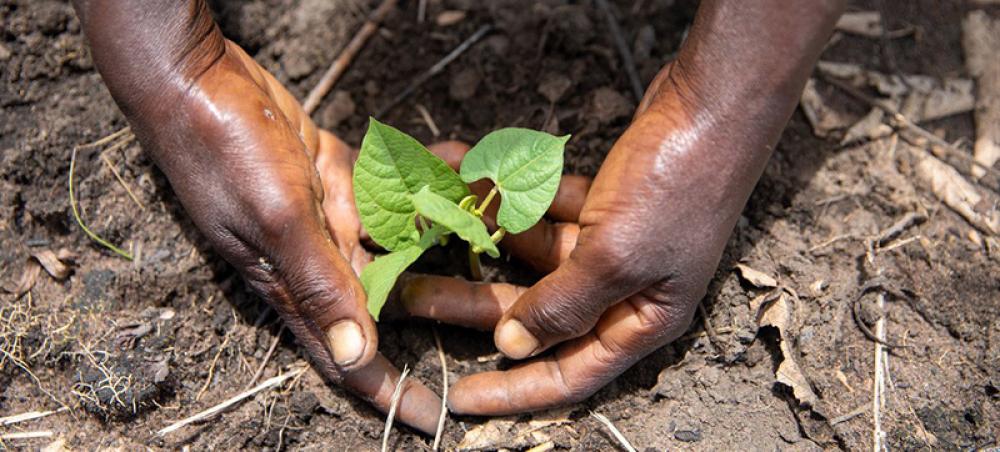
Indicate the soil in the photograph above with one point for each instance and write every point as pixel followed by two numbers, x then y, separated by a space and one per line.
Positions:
pixel 130 347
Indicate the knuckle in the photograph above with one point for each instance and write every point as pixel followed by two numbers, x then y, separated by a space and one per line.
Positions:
pixel 317 299
pixel 617 263
pixel 559 318
pixel 277 211
pixel 663 308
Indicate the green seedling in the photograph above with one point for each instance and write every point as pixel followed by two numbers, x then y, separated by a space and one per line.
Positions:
pixel 410 200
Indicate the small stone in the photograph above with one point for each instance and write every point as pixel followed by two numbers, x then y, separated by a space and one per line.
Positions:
pixel 304 404
pixel 464 84
pixel 688 436
pixel 498 44
pixel 449 18
pixel 644 42
pixel 554 86
pixel 608 105
pixel 4 53
pixel 340 107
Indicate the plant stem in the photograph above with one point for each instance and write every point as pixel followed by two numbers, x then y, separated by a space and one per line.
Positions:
pixel 475 267
pixel 498 235
pixel 486 202
pixel 79 221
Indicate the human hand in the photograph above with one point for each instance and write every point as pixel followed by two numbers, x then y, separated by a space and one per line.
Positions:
pixel 270 191
pixel 626 279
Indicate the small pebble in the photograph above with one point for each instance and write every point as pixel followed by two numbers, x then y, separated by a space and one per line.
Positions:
pixel 448 18
pixel 688 436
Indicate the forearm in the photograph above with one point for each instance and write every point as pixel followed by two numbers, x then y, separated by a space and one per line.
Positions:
pixel 726 98
pixel 737 50
pixel 145 49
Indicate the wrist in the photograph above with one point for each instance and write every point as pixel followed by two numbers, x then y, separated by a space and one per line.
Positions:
pixel 150 52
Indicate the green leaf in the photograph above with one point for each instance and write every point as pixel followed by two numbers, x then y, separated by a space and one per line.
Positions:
pixel 379 277
pixel 463 223
pixel 525 165
pixel 391 167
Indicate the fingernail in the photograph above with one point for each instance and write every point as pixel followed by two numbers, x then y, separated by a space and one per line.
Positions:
pixel 346 342
pixel 514 340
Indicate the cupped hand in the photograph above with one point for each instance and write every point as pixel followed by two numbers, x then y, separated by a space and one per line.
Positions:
pixel 626 267
pixel 273 195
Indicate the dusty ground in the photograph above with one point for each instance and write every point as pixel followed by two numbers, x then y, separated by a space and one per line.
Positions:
pixel 129 347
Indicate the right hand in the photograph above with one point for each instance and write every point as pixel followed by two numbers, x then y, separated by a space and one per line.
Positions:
pixel 270 191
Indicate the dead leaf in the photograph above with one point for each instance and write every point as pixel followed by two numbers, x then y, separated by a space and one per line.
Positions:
pixel 53 263
pixel 821 116
pixel 862 23
pixel 779 315
pixel 756 277
pixel 59 445
pixel 980 40
pixel 505 433
pixel 918 97
pixel 960 195
pixel 867 128
pixel 488 436
pixel 27 280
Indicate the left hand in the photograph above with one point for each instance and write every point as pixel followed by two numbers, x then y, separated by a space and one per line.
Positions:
pixel 625 279
pixel 627 276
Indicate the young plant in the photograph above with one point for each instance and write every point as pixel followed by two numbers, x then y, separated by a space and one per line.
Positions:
pixel 410 200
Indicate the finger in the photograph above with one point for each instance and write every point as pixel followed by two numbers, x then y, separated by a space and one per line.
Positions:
pixel 291 260
pixel 419 407
pixel 544 246
pixel 626 333
pixel 568 203
pixel 568 302
pixel 333 162
pixel 565 206
pixel 456 301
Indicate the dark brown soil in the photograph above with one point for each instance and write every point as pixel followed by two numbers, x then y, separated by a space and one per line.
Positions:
pixel 129 346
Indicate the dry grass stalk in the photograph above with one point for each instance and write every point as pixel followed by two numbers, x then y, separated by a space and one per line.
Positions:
pixel 211 412
pixel 614 431
pixel 397 394
pixel 444 391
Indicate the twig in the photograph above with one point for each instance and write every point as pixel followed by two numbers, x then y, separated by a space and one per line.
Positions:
pixel 267 384
pixel 121 181
pixel 428 119
pixel 397 394
pixel 31 415
pixel 347 55
pixel 444 391
pixel 880 286
pixel 114 136
pixel 699 334
pixel 211 367
pixel 76 213
pixel 436 69
pixel 623 50
pixel 846 417
pixel 878 386
pixel 267 357
pixel 614 431
pixel 903 122
pixel 709 329
pixel 27 435
pixel 892 232
pixel 421 11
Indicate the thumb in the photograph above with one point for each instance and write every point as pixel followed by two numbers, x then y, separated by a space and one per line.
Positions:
pixel 565 304
pixel 309 282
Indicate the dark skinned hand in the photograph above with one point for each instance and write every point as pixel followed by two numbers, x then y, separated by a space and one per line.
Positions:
pixel 270 191
pixel 628 265
pixel 625 278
